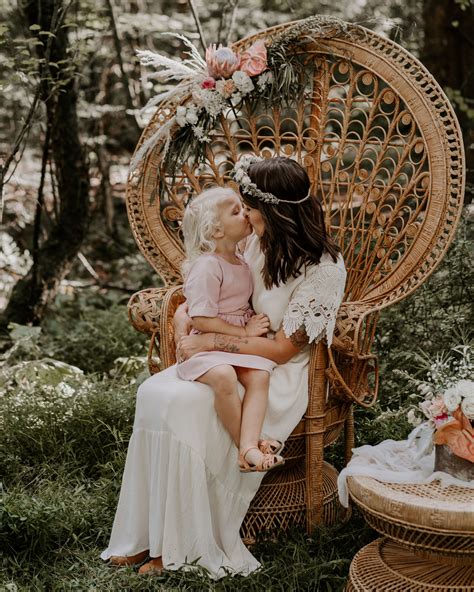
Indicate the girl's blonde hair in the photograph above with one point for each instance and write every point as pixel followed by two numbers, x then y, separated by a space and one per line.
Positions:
pixel 200 221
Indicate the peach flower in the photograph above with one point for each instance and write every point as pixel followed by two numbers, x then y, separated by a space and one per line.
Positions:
pixel 225 87
pixel 458 434
pixel 254 60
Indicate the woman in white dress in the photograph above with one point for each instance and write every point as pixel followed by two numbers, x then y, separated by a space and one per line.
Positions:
pixel 183 498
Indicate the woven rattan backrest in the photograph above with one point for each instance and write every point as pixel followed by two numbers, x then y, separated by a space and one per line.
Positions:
pixel 379 140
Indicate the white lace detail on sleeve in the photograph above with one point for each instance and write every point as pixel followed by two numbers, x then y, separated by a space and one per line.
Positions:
pixel 316 301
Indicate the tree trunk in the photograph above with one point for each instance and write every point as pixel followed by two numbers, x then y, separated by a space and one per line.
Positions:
pixel 32 294
pixel 448 53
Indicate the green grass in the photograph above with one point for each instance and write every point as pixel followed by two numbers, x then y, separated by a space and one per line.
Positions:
pixel 64 436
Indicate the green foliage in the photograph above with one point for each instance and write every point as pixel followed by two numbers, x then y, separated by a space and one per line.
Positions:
pixel 85 427
pixel 65 436
pixel 90 338
pixel 436 318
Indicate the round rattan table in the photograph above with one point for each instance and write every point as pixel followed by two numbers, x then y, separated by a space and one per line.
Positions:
pixel 428 539
pixel 385 566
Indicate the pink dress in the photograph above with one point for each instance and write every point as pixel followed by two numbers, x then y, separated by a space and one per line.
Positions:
pixel 216 288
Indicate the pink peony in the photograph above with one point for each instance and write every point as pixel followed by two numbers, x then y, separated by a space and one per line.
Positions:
pixel 254 60
pixel 438 408
pixel 434 408
pixel 208 82
pixel 222 62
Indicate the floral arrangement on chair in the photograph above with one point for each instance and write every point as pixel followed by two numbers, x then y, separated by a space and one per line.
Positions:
pixel 448 402
pixel 268 72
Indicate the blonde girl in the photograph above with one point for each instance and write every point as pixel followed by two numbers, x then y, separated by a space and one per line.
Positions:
pixel 218 287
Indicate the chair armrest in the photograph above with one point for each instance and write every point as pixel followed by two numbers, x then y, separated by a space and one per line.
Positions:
pixel 353 371
pixel 144 309
pixel 173 298
pixel 151 312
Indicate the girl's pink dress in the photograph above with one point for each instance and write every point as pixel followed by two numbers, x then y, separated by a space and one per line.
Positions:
pixel 216 288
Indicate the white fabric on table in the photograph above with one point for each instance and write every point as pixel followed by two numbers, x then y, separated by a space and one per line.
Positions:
pixel 391 461
pixel 183 496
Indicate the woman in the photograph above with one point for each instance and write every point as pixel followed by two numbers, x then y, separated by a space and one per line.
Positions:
pixel 183 497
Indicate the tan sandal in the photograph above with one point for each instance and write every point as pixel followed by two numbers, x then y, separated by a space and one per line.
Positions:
pixel 152 567
pixel 270 446
pixel 124 560
pixel 268 462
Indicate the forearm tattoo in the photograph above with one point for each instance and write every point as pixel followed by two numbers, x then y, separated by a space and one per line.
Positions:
pixel 299 338
pixel 228 343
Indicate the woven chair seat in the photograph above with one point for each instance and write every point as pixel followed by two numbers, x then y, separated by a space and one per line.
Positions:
pixel 426 517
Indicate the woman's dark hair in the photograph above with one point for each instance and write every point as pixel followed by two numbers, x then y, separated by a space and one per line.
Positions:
pixel 295 234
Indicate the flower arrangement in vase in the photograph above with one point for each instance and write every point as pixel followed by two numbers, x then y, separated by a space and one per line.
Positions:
pixel 448 405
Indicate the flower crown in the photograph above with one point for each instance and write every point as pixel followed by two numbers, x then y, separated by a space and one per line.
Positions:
pixel 240 175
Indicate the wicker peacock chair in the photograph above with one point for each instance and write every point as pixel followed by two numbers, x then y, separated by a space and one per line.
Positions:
pixel 383 149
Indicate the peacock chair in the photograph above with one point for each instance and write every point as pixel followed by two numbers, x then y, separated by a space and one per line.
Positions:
pixel 383 150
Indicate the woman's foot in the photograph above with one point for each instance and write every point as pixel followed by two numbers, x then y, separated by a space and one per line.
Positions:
pixel 123 560
pixel 154 566
pixel 253 460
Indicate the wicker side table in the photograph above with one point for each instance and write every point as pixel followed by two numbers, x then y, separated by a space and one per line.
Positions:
pixel 428 539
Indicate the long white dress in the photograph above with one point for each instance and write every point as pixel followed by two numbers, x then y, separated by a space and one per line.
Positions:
pixel 182 495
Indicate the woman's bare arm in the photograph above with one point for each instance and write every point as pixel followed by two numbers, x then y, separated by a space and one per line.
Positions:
pixel 280 349
pixel 258 325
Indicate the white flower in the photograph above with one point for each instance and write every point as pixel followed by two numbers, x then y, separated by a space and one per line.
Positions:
pixel 213 102
pixel 467 407
pixel 200 135
pixel 465 388
pixel 198 97
pixel 413 418
pixel 264 79
pixel 239 175
pixel 452 399
pixel 181 116
pixel 191 115
pixel 425 389
pixel 243 82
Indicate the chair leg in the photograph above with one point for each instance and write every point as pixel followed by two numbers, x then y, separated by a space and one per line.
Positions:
pixel 349 435
pixel 314 426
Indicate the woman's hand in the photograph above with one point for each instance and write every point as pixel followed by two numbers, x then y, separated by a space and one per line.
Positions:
pixel 257 325
pixel 189 345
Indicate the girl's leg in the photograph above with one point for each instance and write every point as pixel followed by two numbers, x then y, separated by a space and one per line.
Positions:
pixel 223 380
pixel 254 406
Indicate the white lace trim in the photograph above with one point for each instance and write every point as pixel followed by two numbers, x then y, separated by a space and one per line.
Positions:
pixel 316 301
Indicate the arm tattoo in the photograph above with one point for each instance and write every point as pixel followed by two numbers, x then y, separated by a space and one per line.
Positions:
pixel 299 338
pixel 228 343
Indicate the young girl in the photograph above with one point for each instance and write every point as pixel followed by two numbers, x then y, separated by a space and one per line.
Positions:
pixel 217 287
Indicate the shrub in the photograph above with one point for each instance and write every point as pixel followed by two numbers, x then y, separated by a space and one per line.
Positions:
pixel 91 338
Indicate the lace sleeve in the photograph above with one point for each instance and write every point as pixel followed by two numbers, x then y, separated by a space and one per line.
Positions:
pixel 315 302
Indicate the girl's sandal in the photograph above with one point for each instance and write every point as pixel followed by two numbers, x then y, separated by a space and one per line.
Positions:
pixel 268 462
pixel 270 446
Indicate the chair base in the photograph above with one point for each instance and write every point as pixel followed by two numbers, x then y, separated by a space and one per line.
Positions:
pixel 385 566
pixel 280 502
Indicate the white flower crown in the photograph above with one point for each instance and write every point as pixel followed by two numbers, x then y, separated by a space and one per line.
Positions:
pixel 240 175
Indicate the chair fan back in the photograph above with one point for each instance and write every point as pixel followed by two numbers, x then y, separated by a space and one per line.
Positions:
pixel 379 140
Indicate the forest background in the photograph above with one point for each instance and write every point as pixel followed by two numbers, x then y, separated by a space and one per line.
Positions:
pixel 70 362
